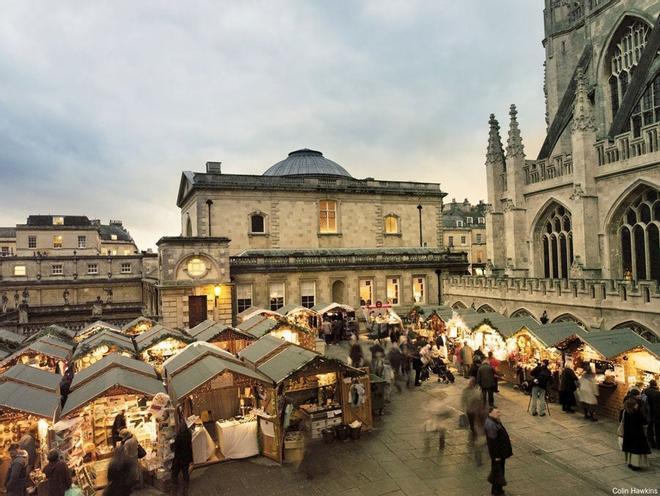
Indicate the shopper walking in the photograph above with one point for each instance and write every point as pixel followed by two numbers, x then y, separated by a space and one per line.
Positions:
pixel 486 380
pixel 473 407
pixel 129 447
pixel 58 475
pixel 458 359
pixel 395 357
pixel 499 449
pixel 355 353
pixel 183 457
pixel 28 443
pixel 466 358
pixel 568 382
pixel 541 379
pixel 119 483
pixel 653 399
pixel 16 480
pixel 635 445
pixel 588 394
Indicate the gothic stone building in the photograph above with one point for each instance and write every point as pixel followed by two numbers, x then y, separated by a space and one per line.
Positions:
pixel 575 231
pixel 304 232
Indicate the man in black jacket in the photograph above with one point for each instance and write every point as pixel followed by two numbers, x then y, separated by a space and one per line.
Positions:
pixel 540 383
pixel 183 457
pixel 486 380
pixel 653 400
pixel 499 449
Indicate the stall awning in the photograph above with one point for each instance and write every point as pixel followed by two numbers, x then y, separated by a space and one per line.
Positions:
pixel 250 312
pixel 290 308
pixel 612 343
pixel 187 380
pixel 261 348
pixel 11 338
pixel 93 328
pixel 39 346
pixel 322 308
pixel 506 326
pixel 28 399
pixel 107 337
pixel 550 335
pixel 109 379
pixel 442 311
pixel 192 352
pixel 128 328
pixel 156 334
pixel 32 376
pixel 111 361
pixel 214 330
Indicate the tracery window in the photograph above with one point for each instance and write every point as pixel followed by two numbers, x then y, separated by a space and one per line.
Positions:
pixel 557 241
pixel 647 110
pixel 638 237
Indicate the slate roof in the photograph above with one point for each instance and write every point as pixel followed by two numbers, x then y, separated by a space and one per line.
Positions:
pixel 135 322
pixel 113 377
pixel 194 351
pixel 24 398
pixel 158 333
pixel 306 162
pixel 186 380
pixel 32 376
pixel 248 324
pixel 106 337
pixel 11 337
pixel 69 220
pixel 286 362
pixel 262 328
pixel 616 342
pixel 106 232
pixel 443 311
pixel 550 335
pixel 261 348
pixel 55 341
pixel 111 361
pixel 7 232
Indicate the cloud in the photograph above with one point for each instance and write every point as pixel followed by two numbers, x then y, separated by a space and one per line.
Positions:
pixel 103 104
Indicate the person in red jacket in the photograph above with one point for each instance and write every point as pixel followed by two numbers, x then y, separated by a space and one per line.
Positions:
pixel 58 475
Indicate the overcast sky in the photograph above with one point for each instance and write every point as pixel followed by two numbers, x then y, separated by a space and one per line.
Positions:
pixel 103 104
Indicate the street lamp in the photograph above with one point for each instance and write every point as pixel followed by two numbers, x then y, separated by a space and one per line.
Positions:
pixel 419 208
pixel 216 291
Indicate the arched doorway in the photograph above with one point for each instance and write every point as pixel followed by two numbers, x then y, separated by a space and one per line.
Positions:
pixel 338 292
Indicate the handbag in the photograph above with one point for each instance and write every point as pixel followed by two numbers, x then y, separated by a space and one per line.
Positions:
pixel 141 452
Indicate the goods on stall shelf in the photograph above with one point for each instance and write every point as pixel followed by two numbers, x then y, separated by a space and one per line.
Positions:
pixel 160 343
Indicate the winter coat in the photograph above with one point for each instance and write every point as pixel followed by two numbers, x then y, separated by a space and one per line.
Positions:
pixel 117 425
pixel 541 376
pixel 118 483
pixel 16 480
pixel 486 376
pixel 458 356
pixel 395 358
pixel 499 444
pixel 58 478
pixel 183 452
pixel 28 443
pixel 568 380
pixel 653 399
pixel 474 370
pixel 588 390
pixel 466 355
pixel 634 439
pixel 356 355
pixel 130 450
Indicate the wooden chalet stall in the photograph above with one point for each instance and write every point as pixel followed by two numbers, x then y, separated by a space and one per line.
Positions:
pixel 279 327
pixel 138 326
pixel 94 328
pixel 29 400
pixel 223 336
pixel 302 316
pixel 318 392
pixel 99 345
pixel 46 352
pixel 63 333
pixel 9 342
pixel 98 394
pixel 160 343
pixel 430 318
pixel 250 312
pixel 338 314
pixel 212 385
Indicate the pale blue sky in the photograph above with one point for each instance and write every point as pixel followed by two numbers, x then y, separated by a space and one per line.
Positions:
pixel 103 104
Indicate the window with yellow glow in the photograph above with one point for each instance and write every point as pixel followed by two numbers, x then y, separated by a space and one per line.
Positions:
pixel 391 224
pixel 58 221
pixel 366 292
pixel 57 241
pixel 328 216
pixel 393 290
pixel 419 289
pixel 196 267
pixel 20 270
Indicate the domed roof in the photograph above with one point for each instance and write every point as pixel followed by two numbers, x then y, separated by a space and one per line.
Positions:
pixel 306 162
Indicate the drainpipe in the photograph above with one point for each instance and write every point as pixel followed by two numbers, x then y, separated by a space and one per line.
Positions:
pixel 438 272
pixel 419 208
pixel 209 203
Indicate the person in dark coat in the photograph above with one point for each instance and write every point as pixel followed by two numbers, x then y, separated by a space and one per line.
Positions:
pixel 473 371
pixel 486 380
pixel 119 484
pixel 567 387
pixel 117 426
pixel 355 353
pixel 183 457
pixel 58 475
pixel 541 382
pixel 65 387
pixel 653 399
pixel 16 480
pixel 499 449
pixel 635 444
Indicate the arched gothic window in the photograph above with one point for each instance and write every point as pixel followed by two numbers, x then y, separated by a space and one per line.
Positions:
pixel 640 329
pixel 638 233
pixel 522 312
pixel 625 51
pixel 557 243
pixel 485 309
pixel 567 317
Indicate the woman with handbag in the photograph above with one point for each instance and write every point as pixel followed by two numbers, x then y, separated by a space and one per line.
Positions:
pixel 632 421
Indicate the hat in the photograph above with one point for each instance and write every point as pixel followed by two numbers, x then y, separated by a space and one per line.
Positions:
pixel 53 455
pixel 125 434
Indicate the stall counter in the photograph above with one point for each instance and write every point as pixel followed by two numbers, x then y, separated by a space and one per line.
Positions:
pixel 237 439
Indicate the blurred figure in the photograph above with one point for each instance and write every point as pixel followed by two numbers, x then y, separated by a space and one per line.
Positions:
pixel 434 426
pixel 183 457
pixel 395 357
pixel 499 449
pixel 589 394
pixel 475 412
pixel 58 475
pixel 119 483
pixel 118 425
pixel 653 399
pixel 355 353
pixel 129 447
pixel 17 476
pixel 567 387
pixel 458 361
pixel 28 443
pixel 466 358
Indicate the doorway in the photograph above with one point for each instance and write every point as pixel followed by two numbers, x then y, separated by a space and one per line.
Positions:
pixel 197 312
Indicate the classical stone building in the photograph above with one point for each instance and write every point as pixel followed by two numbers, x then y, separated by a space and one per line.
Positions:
pixel 304 232
pixel 70 269
pixel 574 232
pixel 464 227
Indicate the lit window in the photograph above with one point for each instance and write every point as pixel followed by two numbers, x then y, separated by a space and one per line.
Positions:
pixel 366 291
pixel 257 225
pixel 57 270
pixel 478 238
pixel 20 270
pixel 419 289
pixel 328 216
pixel 126 268
pixel 463 240
pixel 451 241
pixel 469 220
pixel 82 241
pixel 391 224
pixel 114 252
pixel 482 220
pixel 196 267
pixel 243 297
pixel 459 223
pixel 127 251
pixel 113 237
pixel 57 241
pixel 307 293
pixel 92 269
pixel 32 241
pixel 58 221
pixel 393 290
pixel 276 294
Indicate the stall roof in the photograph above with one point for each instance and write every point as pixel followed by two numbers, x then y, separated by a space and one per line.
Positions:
pixel 119 377
pixel 552 334
pixel 95 327
pixel 158 333
pixel 53 330
pixel 108 362
pixel 506 326
pixel 215 329
pixel 248 324
pixel 326 307
pixel 201 327
pixel 617 341
pixel 11 337
pixel 32 376
pixel 136 321
pixel 3 354
pixel 261 348
pixel 292 308
pixel 250 312
pixel 442 311
pixel 28 399
pixel 55 341
pixel 39 347
pixel 192 352
pixel 104 337
pixel 186 380
pixel 262 328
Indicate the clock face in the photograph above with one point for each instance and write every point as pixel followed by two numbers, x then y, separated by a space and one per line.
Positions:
pixel 196 267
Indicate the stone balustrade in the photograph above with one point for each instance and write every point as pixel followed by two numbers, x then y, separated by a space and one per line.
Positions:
pixel 627 146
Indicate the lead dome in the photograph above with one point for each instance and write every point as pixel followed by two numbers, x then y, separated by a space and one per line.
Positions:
pixel 306 162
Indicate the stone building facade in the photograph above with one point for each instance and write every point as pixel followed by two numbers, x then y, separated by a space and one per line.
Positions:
pixel 464 229
pixel 304 232
pixel 62 269
pixel 574 232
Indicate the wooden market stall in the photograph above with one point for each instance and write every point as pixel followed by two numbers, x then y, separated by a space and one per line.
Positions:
pixel 338 314
pixel 10 341
pixel 137 326
pixel 99 345
pixel 223 336
pixel 279 327
pixel 250 312
pixel 98 394
pixel 63 333
pixel 319 392
pixel 47 353
pixel 212 385
pixel 302 316
pixel 160 343
pixel 94 328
